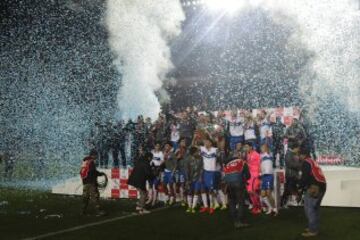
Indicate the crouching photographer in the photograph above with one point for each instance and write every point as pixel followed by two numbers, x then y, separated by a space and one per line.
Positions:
pixel 89 176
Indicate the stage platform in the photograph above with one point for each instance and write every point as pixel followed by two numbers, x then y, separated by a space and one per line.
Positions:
pixel 342 186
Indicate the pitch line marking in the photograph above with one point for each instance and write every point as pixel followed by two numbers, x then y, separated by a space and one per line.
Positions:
pixel 50 234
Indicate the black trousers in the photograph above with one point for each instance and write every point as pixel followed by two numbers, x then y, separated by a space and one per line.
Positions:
pixel 115 155
pixel 289 188
pixel 104 157
pixel 90 192
pixel 236 193
pixel 279 149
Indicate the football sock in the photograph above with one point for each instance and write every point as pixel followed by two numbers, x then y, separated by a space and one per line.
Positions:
pixel 195 201
pixel 204 199
pixel 181 190
pixel 189 200
pixel 154 197
pixel 267 202
pixel 213 201
pixel 222 197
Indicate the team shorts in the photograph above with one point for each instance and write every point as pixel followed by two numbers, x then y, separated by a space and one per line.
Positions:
pixel 155 182
pixel 175 145
pixel 209 180
pixel 195 186
pixel 168 178
pixel 180 176
pixel 267 182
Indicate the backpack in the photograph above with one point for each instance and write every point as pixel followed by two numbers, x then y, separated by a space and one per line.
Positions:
pixel 233 171
pixel 316 171
pixel 85 168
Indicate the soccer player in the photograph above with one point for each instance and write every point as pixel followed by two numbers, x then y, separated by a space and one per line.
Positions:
pixel 159 129
pixel 156 162
pixel 209 156
pixel 186 128
pixel 235 129
pixel 170 163
pixel 250 131
pixel 219 132
pixel 238 149
pixel 174 134
pixel 253 161
pixel 314 183
pixel 267 180
pixel 265 129
pixel 181 153
pixel 278 130
pixel 220 186
pixel 194 172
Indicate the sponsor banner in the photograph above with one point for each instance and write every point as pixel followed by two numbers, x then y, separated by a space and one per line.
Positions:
pixel 330 160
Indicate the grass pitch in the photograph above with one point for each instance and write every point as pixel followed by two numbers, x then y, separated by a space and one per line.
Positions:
pixel 25 214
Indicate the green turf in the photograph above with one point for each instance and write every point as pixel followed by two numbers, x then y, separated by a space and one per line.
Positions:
pixel 337 224
pixel 24 215
pixel 174 223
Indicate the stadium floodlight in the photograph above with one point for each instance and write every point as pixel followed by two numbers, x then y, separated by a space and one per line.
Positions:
pixel 229 6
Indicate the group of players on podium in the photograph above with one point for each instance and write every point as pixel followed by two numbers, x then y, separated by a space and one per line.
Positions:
pixel 214 170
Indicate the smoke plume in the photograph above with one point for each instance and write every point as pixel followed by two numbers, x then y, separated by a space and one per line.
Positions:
pixel 329 28
pixel 330 83
pixel 139 34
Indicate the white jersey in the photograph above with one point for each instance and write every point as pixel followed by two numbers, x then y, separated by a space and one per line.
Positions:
pixel 266 163
pixel 209 158
pixel 265 129
pixel 249 133
pixel 158 158
pixel 174 135
pixel 236 128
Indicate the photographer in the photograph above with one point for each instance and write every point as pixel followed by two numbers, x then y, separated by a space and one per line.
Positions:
pixel 313 183
pixel 236 174
pixel 89 176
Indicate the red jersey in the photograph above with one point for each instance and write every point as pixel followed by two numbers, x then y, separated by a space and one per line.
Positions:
pixel 253 160
pixel 235 166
